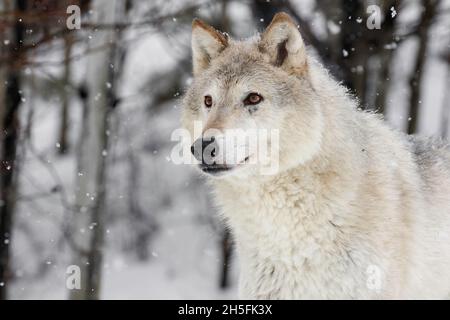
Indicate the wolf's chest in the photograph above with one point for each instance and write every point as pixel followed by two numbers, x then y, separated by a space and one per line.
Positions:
pixel 289 246
pixel 296 264
pixel 280 220
pixel 300 279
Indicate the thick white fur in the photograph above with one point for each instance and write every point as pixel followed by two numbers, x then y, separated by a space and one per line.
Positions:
pixel 357 211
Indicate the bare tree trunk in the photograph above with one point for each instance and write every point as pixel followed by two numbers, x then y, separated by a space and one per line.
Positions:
pixel 383 81
pixel 354 49
pixel 64 124
pixel 333 13
pixel 384 41
pixel 416 77
pixel 88 220
pixel 9 137
pixel 226 259
pixel 144 225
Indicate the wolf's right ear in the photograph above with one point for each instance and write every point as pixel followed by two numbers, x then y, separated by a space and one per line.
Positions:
pixel 207 43
pixel 284 44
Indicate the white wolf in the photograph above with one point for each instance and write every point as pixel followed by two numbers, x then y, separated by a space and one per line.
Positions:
pixel 356 210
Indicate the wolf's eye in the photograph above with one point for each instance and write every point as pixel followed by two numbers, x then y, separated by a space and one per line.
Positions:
pixel 253 98
pixel 208 101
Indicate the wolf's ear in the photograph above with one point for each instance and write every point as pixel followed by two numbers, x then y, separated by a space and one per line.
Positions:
pixel 284 44
pixel 207 43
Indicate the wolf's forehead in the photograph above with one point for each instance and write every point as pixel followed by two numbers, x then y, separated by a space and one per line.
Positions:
pixel 235 69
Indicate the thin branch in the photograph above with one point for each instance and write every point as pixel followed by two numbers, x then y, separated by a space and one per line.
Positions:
pixel 19 58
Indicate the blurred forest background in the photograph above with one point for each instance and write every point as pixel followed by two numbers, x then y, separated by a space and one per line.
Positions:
pixel 86 117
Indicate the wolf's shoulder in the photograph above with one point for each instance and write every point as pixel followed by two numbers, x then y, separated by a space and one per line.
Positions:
pixel 429 152
pixel 424 146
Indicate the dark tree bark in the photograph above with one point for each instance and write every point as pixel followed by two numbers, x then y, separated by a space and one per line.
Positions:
pixel 143 224
pixel 226 251
pixel 354 49
pixel 332 12
pixel 9 137
pixel 417 73
pixel 385 55
pixel 64 121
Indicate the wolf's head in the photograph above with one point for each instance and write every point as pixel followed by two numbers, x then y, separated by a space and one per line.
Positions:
pixel 258 86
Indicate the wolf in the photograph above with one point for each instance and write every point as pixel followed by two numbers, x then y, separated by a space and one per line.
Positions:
pixel 356 210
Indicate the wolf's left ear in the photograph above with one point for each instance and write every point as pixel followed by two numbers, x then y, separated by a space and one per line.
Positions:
pixel 207 43
pixel 284 44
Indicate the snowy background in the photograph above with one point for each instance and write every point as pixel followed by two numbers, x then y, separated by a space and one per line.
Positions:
pixel 162 237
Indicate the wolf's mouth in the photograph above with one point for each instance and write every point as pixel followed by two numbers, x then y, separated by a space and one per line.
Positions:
pixel 216 169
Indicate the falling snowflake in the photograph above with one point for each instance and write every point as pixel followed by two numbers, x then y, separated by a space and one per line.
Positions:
pixel 391 46
pixel 393 12
pixel 333 27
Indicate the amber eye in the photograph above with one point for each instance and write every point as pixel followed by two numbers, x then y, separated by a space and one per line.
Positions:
pixel 208 101
pixel 253 98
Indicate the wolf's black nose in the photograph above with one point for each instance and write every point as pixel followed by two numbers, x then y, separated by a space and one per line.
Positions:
pixel 205 149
